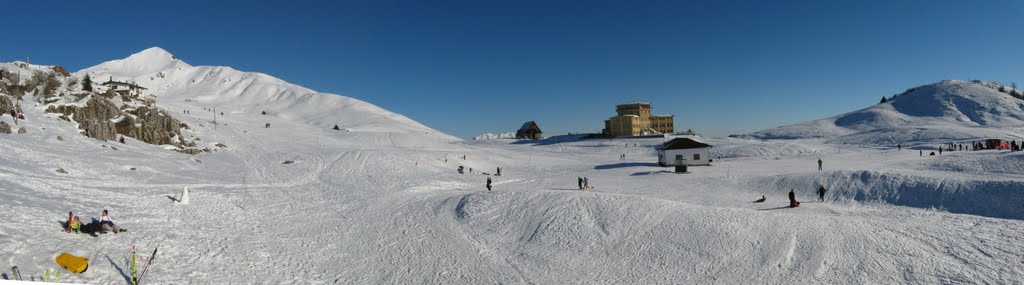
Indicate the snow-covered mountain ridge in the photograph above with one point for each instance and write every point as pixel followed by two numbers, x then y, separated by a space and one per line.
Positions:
pixel 236 92
pixel 950 110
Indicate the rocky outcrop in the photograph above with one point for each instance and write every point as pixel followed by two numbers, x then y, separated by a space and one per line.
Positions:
pixel 102 120
pixel 5 104
pixel 5 128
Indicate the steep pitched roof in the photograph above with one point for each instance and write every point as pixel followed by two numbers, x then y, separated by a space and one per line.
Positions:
pixel 683 143
pixel 526 126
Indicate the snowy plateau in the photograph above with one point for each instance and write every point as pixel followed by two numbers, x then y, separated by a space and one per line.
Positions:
pixel 379 201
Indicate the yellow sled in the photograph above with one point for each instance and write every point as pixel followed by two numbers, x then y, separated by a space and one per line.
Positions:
pixel 75 264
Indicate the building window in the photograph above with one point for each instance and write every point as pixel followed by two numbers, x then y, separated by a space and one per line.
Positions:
pixel 679 157
pixel 696 156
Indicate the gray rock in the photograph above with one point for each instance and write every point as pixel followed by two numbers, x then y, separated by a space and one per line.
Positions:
pixel 5 128
pixel 60 138
pixel 61 171
pixel 22 130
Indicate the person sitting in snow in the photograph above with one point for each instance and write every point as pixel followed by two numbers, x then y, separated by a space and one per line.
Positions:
pixel 76 226
pixel 763 198
pixel 106 224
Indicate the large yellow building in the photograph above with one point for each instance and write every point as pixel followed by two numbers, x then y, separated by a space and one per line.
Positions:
pixel 635 119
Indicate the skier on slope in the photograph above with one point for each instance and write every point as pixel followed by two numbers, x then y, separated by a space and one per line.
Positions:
pixel 792 199
pixel 821 193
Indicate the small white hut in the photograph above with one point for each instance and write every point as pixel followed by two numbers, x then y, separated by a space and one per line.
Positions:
pixel 684 150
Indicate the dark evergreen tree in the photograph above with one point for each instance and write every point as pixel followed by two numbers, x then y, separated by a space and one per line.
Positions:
pixel 87 83
pixel 883 100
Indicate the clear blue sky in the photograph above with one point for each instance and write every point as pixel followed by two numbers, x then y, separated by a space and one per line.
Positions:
pixel 468 67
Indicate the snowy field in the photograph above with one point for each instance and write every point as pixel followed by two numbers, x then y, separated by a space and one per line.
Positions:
pixel 365 205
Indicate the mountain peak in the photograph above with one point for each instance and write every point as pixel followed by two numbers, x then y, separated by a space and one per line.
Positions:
pixel 150 60
pixel 153 56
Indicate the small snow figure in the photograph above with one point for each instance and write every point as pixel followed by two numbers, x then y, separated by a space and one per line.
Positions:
pixel 920 153
pixel 488 184
pixel 498 173
pixel 184 196
pixel 821 193
pixel 940 150
pixel 580 182
pixel 763 198
pixel 586 183
pixel 899 147
pixel 819 164
pixel 792 199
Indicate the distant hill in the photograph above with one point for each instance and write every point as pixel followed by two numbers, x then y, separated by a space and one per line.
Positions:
pixel 950 110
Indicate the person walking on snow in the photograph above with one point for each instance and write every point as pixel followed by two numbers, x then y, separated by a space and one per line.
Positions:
pixel 792 199
pixel 899 147
pixel 488 184
pixel 821 193
pixel 819 164
pixel 579 180
pixel 586 183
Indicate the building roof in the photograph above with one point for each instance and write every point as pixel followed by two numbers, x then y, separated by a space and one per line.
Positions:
pixel 111 82
pixel 634 103
pixel 526 126
pixel 683 143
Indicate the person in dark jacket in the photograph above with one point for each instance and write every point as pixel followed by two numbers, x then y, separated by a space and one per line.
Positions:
pixel 580 182
pixel 488 184
pixel 821 193
pixel 819 164
pixel 792 199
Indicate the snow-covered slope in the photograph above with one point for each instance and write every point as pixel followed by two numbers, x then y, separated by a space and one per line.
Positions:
pixel 234 92
pixel 951 110
pixel 369 207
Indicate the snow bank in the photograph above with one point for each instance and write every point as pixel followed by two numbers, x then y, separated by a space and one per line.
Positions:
pixel 493 136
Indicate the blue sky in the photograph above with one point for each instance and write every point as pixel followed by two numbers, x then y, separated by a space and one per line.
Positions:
pixel 468 67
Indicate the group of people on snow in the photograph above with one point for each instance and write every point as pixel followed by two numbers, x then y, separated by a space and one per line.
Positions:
pixel 584 183
pixel 793 203
pixel 104 225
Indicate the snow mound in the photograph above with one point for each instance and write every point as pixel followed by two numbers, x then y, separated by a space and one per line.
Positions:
pixel 493 136
pixel 949 110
